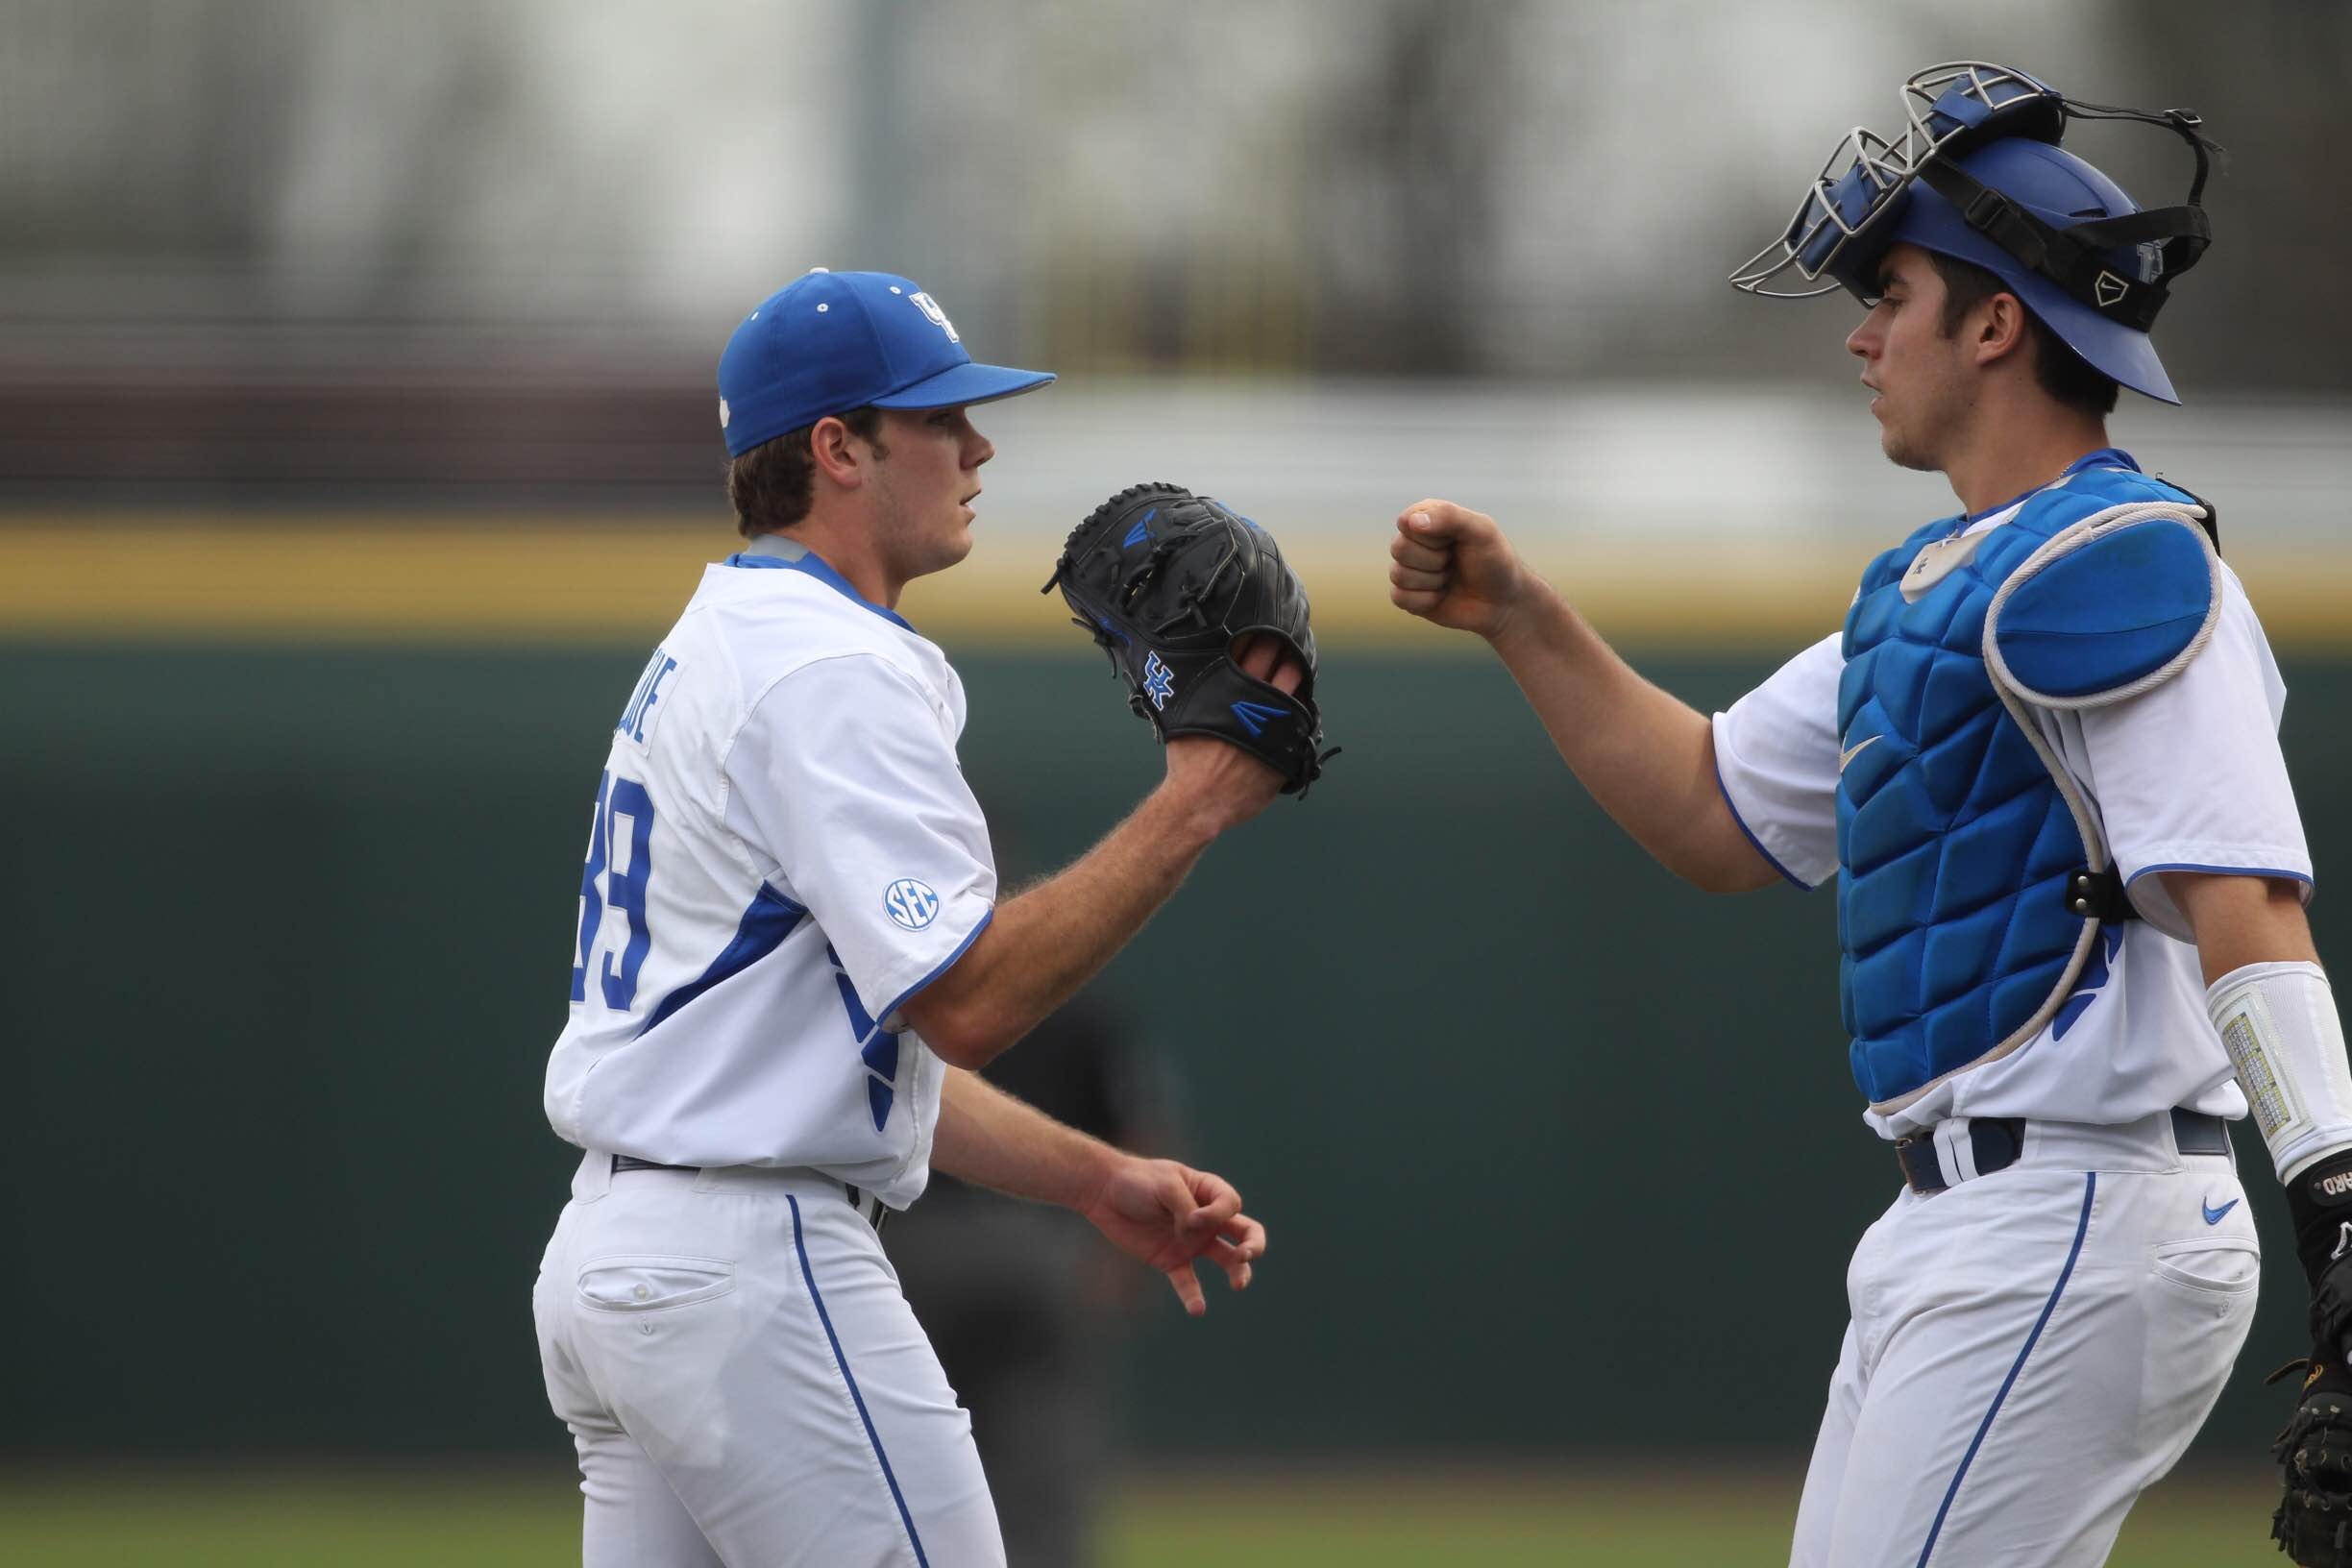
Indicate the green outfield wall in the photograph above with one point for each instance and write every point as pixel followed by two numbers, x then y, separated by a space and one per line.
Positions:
pixel 1555 1153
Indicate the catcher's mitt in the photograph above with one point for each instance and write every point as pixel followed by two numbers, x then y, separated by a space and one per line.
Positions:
pixel 1166 581
pixel 2313 1522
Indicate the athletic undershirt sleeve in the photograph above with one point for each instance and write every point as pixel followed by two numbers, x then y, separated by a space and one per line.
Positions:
pixel 845 773
pixel 2189 776
pixel 1776 759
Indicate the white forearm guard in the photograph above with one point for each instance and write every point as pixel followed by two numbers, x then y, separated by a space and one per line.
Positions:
pixel 2279 1024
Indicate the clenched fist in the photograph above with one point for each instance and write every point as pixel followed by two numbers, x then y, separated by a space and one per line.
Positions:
pixel 1452 566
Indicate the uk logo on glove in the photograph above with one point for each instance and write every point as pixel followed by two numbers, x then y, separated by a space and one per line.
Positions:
pixel 1178 590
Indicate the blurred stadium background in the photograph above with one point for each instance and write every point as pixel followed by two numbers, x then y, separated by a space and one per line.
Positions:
pixel 356 438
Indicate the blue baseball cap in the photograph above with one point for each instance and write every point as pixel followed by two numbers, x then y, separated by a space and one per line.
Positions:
pixel 828 342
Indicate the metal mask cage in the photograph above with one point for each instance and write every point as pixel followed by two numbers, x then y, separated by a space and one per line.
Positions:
pixel 1863 164
pixel 1944 102
pixel 1943 105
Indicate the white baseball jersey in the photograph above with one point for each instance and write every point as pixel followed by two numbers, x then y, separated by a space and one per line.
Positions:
pixel 783 851
pixel 2186 776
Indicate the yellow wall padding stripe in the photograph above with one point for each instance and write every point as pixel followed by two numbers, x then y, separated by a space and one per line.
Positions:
pixel 97 579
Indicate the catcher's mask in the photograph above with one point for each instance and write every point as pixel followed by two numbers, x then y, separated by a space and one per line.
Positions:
pixel 1977 174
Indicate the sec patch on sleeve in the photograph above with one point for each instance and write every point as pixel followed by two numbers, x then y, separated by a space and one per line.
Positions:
pixel 910 903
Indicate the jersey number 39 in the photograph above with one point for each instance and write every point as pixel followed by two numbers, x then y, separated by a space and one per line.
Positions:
pixel 620 866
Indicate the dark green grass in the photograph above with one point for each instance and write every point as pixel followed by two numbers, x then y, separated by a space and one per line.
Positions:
pixel 1364 1519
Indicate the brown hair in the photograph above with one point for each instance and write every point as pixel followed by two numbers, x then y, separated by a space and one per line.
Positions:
pixel 2065 374
pixel 773 484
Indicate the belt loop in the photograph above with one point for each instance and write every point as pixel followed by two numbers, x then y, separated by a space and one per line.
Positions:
pixel 2196 1132
pixel 1956 1151
pixel 594 1178
pixel 870 1207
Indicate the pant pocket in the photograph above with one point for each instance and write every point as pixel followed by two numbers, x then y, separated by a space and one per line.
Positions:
pixel 643 1283
pixel 2220 1265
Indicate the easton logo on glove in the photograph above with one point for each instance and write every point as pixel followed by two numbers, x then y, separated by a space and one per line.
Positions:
pixel 1167 583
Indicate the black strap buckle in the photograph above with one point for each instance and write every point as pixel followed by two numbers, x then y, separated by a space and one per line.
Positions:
pixel 1987 207
pixel 2100 895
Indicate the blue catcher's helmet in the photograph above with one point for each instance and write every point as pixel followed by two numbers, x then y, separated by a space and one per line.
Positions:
pixel 2061 189
pixel 1978 174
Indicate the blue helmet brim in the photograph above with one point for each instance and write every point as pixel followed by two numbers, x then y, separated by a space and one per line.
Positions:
pixel 2115 351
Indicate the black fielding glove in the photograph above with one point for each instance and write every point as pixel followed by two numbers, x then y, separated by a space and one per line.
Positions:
pixel 2313 1522
pixel 1169 583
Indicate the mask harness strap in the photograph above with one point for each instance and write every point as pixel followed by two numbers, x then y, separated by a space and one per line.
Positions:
pixel 2071 258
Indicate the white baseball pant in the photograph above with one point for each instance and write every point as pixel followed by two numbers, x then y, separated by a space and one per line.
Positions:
pixel 2029 1350
pixel 745 1383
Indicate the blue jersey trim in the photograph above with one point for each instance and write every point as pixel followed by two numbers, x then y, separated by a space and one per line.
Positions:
pixel 1740 823
pixel 945 965
pixel 2082 1228
pixel 815 566
pixel 2104 457
pixel 2224 870
pixel 859 1400
pixel 765 923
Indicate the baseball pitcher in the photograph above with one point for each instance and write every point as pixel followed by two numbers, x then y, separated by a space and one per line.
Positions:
pixel 791 952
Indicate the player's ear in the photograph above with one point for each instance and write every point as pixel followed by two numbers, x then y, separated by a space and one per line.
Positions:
pixel 836 454
pixel 2001 327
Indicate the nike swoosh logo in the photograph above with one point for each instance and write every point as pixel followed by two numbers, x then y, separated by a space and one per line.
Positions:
pixel 1854 751
pixel 2213 1217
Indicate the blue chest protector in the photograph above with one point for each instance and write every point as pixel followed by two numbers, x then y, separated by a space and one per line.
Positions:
pixel 1962 839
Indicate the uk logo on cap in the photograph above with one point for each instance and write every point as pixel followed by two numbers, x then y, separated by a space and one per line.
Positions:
pixel 929 307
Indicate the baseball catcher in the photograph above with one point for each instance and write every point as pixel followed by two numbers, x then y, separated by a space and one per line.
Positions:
pixel 1175 587
pixel 2069 863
